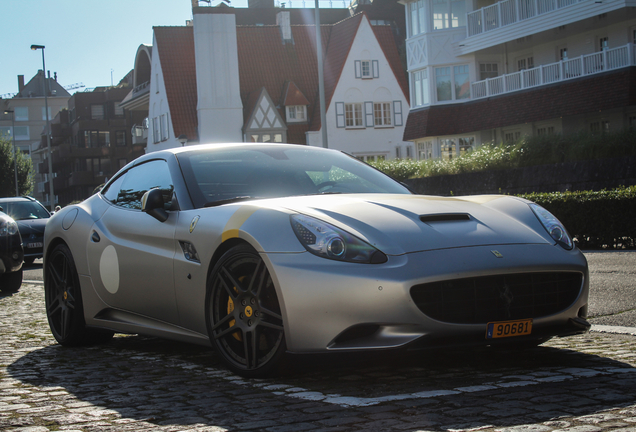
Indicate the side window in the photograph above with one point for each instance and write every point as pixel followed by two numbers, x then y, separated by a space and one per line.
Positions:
pixel 138 180
pixel 112 191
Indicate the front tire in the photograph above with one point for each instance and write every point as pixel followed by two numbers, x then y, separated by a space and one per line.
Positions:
pixel 243 315
pixel 11 282
pixel 63 300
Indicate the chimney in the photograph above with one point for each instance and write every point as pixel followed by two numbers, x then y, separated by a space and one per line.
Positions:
pixel 283 22
pixel 20 83
pixel 219 106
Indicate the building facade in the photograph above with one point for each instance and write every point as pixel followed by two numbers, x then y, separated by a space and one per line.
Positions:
pixel 482 71
pixel 28 120
pixel 215 81
pixel 91 141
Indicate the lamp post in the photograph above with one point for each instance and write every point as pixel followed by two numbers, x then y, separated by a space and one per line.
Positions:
pixel 183 139
pixel 48 136
pixel 321 78
pixel 15 164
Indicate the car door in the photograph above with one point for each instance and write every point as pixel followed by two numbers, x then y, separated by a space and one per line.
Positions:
pixel 130 252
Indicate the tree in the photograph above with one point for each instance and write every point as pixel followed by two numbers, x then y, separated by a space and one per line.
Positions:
pixel 7 174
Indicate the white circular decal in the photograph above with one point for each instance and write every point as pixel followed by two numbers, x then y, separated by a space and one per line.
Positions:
pixel 109 269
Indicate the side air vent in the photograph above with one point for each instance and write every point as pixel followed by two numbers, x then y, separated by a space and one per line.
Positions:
pixel 446 217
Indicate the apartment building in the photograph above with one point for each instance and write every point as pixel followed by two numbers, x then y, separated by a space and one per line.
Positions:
pixel 26 118
pixel 483 71
pixel 91 141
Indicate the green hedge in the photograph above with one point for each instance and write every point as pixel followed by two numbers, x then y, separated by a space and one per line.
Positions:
pixel 597 220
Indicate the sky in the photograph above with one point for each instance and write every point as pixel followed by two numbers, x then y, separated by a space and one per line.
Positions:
pixel 86 42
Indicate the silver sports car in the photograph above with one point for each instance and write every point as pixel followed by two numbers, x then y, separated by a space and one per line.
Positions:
pixel 260 250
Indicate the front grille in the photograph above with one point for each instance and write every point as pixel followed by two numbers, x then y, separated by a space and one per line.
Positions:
pixel 498 298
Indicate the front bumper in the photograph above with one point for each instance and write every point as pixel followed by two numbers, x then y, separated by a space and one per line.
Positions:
pixel 11 254
pixel 329 305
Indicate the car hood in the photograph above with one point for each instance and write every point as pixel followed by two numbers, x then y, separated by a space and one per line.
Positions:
pixel 31 226
pixel 398 224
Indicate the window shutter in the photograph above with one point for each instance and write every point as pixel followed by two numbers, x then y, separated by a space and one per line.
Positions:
pixel 368 114
pixel 358 66
pixel 340 115
pixel 376 69
pixel 397 113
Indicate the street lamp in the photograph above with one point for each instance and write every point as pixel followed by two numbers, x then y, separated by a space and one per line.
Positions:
pixel 183 139
pixel 48 137
pixel 15 164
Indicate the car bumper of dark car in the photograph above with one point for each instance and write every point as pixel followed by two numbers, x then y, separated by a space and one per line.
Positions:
pixel 11 254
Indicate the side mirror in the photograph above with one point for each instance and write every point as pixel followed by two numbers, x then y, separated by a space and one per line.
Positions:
pixel 152 203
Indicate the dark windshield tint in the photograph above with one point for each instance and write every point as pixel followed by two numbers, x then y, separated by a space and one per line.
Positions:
pixel 276 171
pixel 24 210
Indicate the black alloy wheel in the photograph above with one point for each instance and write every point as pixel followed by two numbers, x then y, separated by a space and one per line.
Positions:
pixel 63 300
pixel 243 314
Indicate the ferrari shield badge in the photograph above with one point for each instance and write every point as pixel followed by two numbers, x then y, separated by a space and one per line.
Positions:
pixel 494 252
pixel 193 224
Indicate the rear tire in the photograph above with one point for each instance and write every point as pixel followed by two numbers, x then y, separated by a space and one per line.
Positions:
pixel 11 282
pixel 63 299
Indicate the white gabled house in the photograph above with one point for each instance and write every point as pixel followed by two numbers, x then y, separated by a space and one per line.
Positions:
pixel 213 81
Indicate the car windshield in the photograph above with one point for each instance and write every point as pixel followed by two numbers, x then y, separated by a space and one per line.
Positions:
pixel 224 175
pixel 24 210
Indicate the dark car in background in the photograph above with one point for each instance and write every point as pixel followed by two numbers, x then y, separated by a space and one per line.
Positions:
pixel 11 254
pixel 31 217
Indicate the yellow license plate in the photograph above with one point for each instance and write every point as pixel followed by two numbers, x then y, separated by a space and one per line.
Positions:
pixel 501 329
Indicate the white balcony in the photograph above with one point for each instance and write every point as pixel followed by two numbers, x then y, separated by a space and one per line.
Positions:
pixel 585 65
pixel 508 12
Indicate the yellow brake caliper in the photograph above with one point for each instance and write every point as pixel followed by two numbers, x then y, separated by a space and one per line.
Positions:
pixel 230 309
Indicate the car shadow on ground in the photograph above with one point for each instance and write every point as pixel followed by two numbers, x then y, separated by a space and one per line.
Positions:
pixel 166 382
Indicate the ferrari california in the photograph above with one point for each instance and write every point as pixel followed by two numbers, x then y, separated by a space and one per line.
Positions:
pixel 260 250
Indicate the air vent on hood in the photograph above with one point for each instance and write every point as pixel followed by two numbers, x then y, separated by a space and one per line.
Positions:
pixel 446 217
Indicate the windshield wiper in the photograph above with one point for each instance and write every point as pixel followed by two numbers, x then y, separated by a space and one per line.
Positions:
pixel 228 201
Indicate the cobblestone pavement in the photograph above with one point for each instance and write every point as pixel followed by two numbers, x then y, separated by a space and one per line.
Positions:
pixel 578 384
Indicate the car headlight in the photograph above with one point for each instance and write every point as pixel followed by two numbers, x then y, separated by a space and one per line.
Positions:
pixel 327 241
pixel 8 228
pixel 552 225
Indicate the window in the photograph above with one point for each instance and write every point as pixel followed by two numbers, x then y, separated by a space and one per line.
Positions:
pixel 382 114
pixel 512 136
pixel 449 14
pixel 128 189
pixel 94 139
pixel 563 54
pixel 155 130
pixel 5 132
pixel 420 88
pixel 296 113
pixel 398 152
pixel 44 114
pixel 353 115
pixel 409 152
pixel 466 144
pixel 267 137
pixel 548 130
pixel 97 112
pixel 417 12
pixel 448 148
pixel 488 70
pixel 21 133
pixel 120 136
pixel 600 127
pixel 525 63
pixel 119 111
pixel 21 113
pixel 603 44
pixel 366 68
pixel 425 150
pixel 452 83
pixel 163 120
pixel 371 157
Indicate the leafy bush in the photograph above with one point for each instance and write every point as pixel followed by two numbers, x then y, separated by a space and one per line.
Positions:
pixel 603 219
pixel 539 150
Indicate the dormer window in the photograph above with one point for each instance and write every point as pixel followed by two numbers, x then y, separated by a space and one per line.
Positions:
pixel 296 113
pixel 367 69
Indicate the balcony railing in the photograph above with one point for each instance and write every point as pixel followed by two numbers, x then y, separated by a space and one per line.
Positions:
pixel 564 70
pixel 508 12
